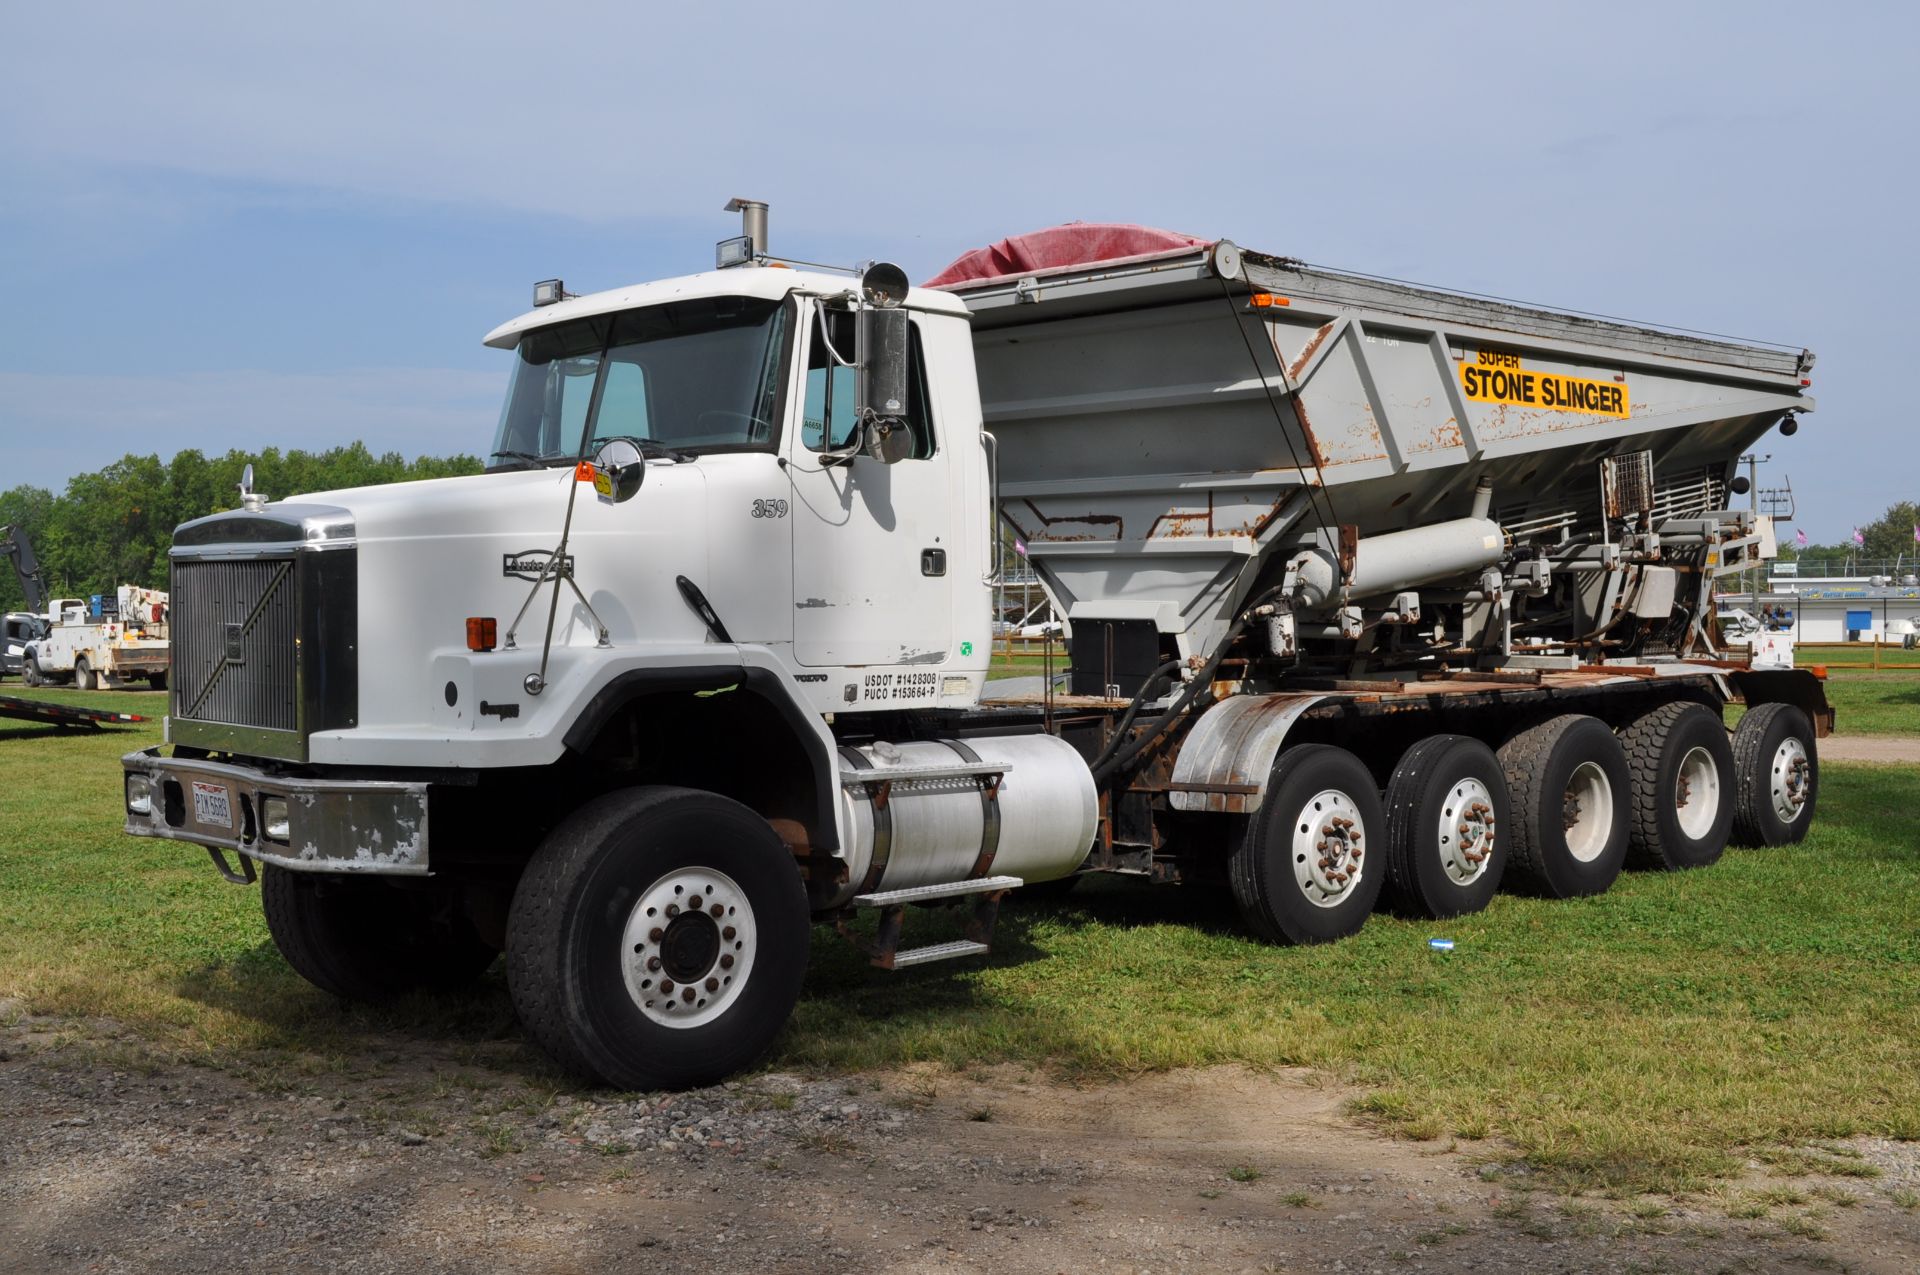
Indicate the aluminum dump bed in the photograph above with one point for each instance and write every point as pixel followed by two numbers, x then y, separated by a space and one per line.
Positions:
pixel 1167 421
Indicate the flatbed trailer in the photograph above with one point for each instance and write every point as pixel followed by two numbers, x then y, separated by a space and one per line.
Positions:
pixel 33 710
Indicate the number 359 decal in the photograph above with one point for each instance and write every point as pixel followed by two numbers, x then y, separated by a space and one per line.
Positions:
pixel 769 508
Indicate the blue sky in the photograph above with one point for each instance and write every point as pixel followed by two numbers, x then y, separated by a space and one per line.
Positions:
pixel 249 225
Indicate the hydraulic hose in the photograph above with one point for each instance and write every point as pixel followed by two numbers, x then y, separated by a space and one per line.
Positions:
pixel 1140 697
pixel 1201 681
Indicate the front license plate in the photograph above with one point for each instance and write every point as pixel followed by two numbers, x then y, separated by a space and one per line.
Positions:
pixel 211 805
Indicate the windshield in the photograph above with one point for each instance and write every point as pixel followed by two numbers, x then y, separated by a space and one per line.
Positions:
pixel 693 376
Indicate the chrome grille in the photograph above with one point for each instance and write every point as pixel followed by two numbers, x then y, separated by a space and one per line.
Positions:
pixel 235 640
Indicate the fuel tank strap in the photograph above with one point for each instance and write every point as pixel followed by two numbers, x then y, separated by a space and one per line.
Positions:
pixel 989 812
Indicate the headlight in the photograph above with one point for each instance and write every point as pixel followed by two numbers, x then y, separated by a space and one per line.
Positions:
pixel 140 795
pixel 273 819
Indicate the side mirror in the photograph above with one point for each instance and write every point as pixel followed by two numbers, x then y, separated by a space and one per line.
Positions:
pixel 619 467
pixel 884 329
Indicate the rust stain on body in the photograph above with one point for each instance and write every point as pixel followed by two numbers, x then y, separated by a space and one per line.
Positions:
pixel 1306 355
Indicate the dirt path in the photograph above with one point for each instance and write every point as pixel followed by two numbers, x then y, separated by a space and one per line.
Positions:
pixel 420 1162
pixel 1902 750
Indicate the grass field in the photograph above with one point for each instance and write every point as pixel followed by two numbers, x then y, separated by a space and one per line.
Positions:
pixel 1652 1038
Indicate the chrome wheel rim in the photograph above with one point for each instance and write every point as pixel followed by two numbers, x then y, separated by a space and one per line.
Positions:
pixel 1466 831
pixel 1328 848
pixel 688 947
pixel 1790 780
pixel 1696 793
pixel 1587 811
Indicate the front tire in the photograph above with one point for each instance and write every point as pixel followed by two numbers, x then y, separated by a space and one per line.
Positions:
pixel 366 939
pixel 1447 814
pixel 658 939
pixel 31 673
pixel 1567 778
pixel 1681 766
pixel 1776 764
pixel 1308 868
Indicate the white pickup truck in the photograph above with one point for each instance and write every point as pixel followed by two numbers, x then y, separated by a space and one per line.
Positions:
pixel 106 652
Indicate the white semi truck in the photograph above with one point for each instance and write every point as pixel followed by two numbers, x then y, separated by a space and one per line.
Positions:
pixel 1373 592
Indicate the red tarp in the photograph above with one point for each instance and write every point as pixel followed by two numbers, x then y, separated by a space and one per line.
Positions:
pixel 1077 243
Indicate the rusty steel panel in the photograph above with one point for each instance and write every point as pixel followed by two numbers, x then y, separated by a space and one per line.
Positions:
pixel 1224 763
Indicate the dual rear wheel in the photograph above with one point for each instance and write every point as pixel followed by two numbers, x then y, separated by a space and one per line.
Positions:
pixel 1557 811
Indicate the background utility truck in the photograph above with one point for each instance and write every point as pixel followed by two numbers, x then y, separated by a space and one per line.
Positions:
pixel 104 643
pixel 1373 591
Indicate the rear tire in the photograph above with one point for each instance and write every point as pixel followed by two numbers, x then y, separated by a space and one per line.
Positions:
pixel 367 939
pixel 1680 761
pixel 157 681
pixel 1309 866
pixel 1776 765
pixel 83 678
pixel 1567 779
pixel 618 978
pixel 1447 815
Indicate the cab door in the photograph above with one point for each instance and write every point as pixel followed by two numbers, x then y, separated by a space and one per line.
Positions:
pixel 870 540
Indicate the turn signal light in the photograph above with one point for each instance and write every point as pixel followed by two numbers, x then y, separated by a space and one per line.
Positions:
pixel 584 472
pixel 1261 300
pixel 483 633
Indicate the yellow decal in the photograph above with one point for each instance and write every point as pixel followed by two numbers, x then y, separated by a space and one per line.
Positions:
pixel 1495 376
pixel 603 483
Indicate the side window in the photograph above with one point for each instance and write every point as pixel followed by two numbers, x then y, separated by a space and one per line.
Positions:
pixel 623 403
pixel 569 392
pixel 827 420
pixel 833 389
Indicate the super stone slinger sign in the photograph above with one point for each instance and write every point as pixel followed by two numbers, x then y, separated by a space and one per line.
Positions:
pixel 1495 376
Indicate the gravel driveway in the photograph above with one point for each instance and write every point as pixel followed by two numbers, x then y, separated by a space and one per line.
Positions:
pixel 468 1158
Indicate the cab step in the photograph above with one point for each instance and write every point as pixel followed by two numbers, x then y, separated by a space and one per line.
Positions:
pixel 936 952
pixel 884 951
pixel 927 893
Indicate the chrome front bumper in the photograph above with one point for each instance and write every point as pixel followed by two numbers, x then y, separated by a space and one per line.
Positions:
pixel 372 826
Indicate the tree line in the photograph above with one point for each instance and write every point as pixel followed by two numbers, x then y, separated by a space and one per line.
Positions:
pixel 1889 537
pixel 113 526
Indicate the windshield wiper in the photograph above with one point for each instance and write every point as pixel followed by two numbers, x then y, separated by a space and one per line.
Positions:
pixel 648 447
pixel 529 460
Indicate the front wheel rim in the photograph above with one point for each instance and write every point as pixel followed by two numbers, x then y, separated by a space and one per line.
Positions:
pixel 1329 848
pixel 1466 831
pixel 1587 811
pixel 1696 793
pixel 688 947
pixel 1791 779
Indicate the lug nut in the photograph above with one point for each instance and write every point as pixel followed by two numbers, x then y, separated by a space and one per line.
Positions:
pixel 726 962
pixel 713 984
pixel 727 933
pixel 717 911
pixel 673 909
pixel 686 994
pixel 653 963
pixel 655 933
pixel 666 985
